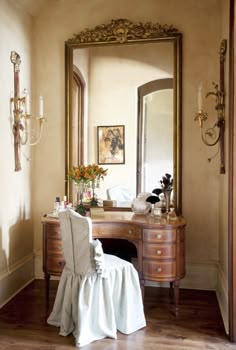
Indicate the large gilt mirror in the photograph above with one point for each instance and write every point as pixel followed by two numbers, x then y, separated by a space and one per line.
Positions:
pixel 129 74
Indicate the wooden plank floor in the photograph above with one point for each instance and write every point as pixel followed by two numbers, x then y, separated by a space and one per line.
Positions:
pixel 199 326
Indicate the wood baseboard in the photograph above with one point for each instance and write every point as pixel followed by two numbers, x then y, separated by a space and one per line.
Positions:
pixel 16 278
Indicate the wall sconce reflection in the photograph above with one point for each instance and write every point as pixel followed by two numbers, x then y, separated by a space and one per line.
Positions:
pixel 21 111
pixel 215 134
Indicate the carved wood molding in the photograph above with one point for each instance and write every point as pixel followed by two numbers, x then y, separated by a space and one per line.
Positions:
pixel 122 30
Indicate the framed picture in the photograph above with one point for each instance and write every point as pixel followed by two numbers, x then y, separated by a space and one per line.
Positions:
pixel 111 144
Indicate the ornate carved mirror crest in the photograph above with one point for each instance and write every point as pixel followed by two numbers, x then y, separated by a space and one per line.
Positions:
pixel 121 31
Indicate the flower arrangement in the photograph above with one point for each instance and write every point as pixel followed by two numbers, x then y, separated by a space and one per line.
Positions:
pixel 86 176
pixel 166 186
pixel 166 183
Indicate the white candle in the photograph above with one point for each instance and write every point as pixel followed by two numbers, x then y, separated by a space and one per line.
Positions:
pixel 41 106
pixel 200 97
pixel 27 104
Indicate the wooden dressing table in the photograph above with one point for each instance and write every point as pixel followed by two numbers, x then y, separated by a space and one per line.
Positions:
pixel 160 246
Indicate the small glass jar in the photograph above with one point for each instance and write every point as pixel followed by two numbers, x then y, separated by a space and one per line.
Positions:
pixel 157 212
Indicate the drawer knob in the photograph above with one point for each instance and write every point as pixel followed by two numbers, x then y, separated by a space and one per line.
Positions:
pixel 59 263
pixel 159 252
pixel 159 269
pixel 59 247
pixel 159 236
pixel 130 232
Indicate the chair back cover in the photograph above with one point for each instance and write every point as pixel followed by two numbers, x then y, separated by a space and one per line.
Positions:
pixel 76 231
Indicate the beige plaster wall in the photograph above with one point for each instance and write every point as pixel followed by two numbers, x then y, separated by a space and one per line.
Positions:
pixel 200 23
pixel 16 226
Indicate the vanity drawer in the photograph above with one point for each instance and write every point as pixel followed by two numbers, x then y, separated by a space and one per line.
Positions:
pixel 156 270
pixel 159 235
pixel 53 231
pixel 55 263
pixel 124 231
pixel 159 251
pixel 54 246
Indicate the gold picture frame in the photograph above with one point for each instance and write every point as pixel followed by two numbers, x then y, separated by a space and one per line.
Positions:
pixel 111 144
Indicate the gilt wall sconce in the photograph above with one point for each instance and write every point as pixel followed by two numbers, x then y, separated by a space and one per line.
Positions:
pixel 215 134
pixel 21 112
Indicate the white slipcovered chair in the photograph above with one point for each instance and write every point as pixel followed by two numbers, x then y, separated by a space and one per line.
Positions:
pixel 98 293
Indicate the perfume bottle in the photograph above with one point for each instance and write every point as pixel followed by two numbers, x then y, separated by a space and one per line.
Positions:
pixel 65 202
pixel 172 215
pixel 56 206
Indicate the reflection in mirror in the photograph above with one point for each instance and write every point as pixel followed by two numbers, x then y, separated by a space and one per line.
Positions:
pixel 156 133
pixel 114 60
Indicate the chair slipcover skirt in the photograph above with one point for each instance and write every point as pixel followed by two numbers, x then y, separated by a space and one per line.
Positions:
pixel 95 306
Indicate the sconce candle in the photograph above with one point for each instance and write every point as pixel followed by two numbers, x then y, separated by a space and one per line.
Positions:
pixel 41 106
pixel 200 97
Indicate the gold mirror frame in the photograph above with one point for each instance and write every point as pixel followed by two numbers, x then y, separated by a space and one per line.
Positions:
pixel 125 32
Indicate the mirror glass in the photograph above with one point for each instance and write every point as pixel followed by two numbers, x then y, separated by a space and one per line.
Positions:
pixel 133 81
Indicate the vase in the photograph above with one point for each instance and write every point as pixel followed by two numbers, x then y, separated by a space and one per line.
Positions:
pixel 94 202
pixel 167 194
pixel 80 207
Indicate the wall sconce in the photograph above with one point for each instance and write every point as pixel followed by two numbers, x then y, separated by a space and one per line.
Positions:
pixel 217 136
pixel 21 111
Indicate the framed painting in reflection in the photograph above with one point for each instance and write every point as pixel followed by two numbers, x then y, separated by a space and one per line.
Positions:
pixel 111 144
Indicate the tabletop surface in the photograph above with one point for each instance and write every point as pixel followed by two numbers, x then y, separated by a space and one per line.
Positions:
pixel 129 218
